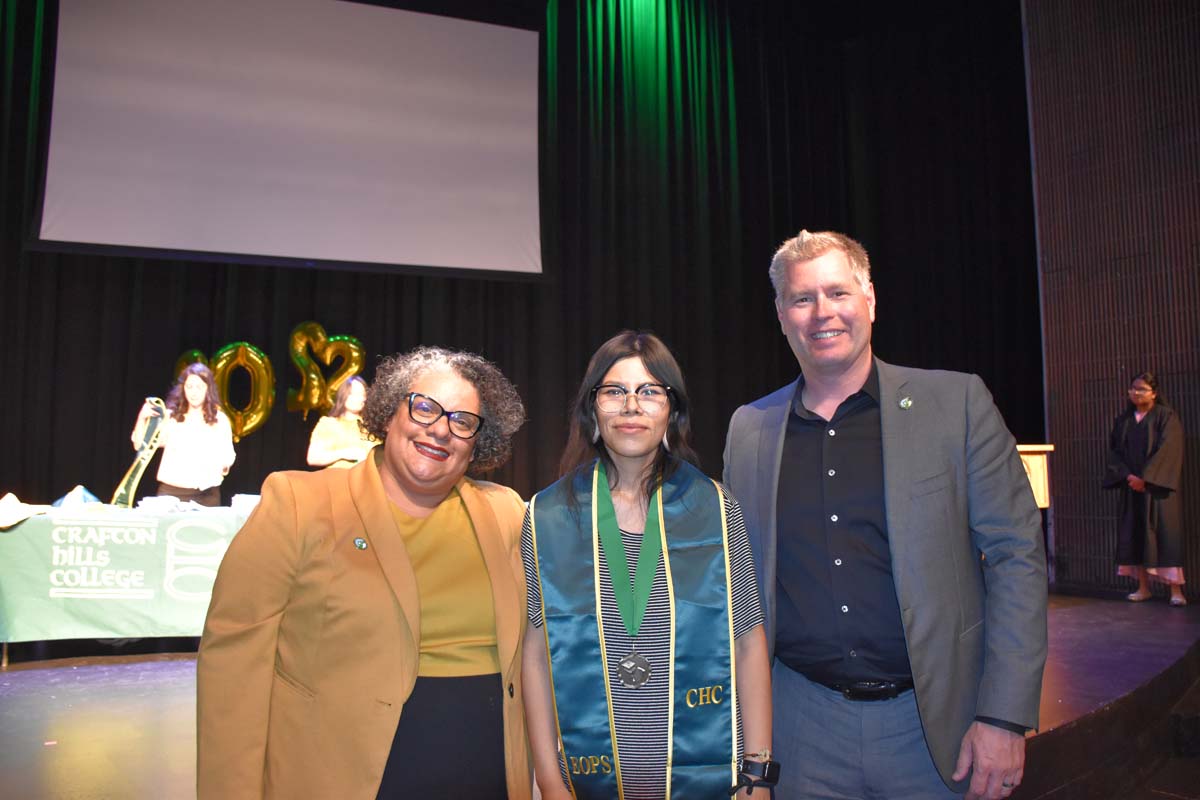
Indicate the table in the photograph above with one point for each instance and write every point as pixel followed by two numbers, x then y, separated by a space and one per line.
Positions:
pixel 100 571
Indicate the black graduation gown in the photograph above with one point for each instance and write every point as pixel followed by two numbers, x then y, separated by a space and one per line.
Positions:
pixel 1151 523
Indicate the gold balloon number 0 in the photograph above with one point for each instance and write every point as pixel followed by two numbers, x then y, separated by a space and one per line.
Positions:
pixel 315 393
pixel 239 355
pixel 245 421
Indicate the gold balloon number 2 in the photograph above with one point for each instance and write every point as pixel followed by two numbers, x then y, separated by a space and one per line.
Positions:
pixel 315 393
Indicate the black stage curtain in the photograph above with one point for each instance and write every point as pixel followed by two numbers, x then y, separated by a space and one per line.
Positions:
pixel 682 142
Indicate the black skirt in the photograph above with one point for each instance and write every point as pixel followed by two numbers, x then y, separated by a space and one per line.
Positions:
pixel 450 741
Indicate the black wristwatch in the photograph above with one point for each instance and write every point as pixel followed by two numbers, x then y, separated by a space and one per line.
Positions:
pixel 764 771
pixel 756 774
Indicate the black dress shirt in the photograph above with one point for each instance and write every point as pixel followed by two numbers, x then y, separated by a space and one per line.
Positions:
pixel 837 617
pixel 838 620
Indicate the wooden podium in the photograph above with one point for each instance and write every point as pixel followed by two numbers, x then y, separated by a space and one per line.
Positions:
pixel 1033 456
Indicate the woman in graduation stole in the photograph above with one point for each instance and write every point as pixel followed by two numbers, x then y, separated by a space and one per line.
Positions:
pixel 645 663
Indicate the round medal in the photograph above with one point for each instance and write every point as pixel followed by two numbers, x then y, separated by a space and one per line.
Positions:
pixel 634 670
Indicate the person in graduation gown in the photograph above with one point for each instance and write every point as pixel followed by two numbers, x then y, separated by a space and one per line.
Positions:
pixel 364 634
pixel 1145 457
pixel 645 659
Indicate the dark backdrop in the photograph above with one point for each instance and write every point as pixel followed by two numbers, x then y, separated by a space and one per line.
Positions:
pixel 681 144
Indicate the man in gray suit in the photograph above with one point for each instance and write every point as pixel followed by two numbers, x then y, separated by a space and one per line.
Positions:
pixel 899 552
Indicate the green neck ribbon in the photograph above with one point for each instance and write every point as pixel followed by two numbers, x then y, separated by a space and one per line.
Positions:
pixel 632 596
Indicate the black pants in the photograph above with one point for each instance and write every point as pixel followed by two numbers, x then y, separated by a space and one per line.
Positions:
pixel 205 497
pixel 450 741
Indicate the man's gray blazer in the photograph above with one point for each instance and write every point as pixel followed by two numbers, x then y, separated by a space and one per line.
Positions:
pixel 965 538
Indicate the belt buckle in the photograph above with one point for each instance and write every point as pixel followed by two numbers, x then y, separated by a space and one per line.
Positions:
pixel 884 690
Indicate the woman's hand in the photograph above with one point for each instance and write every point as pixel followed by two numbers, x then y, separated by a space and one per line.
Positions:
pixel 147 411
pixel 1136 483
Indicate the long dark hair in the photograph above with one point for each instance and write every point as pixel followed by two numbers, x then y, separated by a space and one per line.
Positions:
pixel 343 394
pixel 659 362
pixel 177 403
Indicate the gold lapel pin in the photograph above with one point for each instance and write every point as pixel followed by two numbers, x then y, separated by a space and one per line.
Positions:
pixel 360 543
pixel 906 402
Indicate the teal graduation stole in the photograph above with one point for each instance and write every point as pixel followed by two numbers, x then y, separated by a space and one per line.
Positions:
pixel 702 706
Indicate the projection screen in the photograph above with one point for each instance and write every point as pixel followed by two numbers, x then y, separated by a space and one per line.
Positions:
pixel 313 130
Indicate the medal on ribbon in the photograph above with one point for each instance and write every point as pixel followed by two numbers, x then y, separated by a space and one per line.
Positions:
pixel 632 596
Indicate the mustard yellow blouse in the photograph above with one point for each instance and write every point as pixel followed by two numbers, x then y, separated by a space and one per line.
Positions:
pixel 458 619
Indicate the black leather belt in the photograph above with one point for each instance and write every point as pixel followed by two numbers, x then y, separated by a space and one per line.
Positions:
pixel 871 690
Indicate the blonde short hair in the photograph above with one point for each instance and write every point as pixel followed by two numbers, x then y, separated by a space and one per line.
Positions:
pixel 805 246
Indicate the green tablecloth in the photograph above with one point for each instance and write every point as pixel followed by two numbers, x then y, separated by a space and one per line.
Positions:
pixel 102 571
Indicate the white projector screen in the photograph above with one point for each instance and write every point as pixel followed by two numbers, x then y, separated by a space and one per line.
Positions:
pixel 314 130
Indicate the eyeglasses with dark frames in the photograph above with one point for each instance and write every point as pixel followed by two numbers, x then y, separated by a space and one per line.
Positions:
pixel 424 410
pixel 652 397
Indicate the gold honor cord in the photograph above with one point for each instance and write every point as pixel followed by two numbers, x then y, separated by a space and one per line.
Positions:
pixel 152 431
pixel 735 712
pixel 657 509
pixel 597 473
pixel 546 634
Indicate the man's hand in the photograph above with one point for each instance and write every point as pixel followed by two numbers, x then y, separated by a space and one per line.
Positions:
pixel 1135 483
pixel 996 759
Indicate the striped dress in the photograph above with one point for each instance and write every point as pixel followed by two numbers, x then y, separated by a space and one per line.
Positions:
pixel 640 714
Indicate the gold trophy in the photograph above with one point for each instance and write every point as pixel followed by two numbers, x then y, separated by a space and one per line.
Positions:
pixel 151 437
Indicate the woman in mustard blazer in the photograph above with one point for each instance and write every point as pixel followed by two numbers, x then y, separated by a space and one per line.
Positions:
pixel 364 636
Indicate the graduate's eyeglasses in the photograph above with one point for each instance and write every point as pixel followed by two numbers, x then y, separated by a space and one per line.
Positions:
pixel 1133 390
pixel 652 397
pixel 425 411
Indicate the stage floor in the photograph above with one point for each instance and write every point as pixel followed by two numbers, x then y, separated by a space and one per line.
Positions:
pixel 124 727
pixel 1104 649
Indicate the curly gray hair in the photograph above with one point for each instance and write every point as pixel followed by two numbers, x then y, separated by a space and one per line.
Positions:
pixel 500 405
